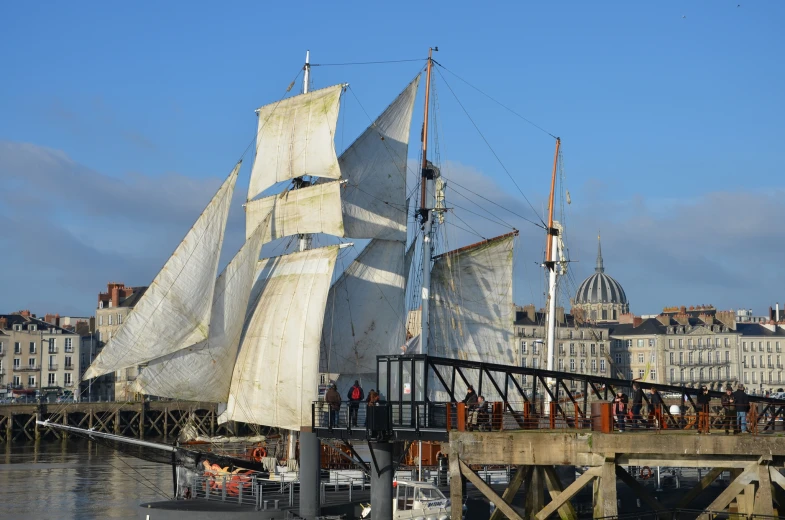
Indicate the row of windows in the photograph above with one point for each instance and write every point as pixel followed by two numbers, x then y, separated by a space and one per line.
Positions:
pixel 769 362
pixel 760 346
pixel 689 376
pixel 51 380
pixel 563 334
pixel 699 342
pixel 535 348
pixel 110 318
pixel 691 357
pixel 755 379
pixel 595 364
pixel 31 362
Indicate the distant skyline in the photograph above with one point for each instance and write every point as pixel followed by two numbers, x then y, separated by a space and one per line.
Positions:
pixel 119 122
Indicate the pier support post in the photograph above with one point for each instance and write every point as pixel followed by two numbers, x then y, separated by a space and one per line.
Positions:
pixel 457 480
pixel 9 427
pixel 382 472
pixel 310 462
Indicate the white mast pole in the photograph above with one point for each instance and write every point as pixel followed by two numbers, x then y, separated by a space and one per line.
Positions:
pixel 426 214
pixel 305 240
pixel 551 257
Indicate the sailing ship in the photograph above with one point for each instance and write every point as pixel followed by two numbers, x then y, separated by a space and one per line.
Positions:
pixel 261 337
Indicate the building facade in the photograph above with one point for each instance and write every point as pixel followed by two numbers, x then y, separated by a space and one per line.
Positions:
pixel 114 305
pixel 761 356
pixel 38 359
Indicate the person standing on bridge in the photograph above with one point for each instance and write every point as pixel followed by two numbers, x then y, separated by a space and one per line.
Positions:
pixel 333 399
pixel 620 409
pixel 742 407
pixel 704 400
pixel 637 404
pixel 355 396
pixel 655 408
pixel 728 410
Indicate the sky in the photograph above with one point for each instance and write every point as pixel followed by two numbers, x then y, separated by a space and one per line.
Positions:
pixel 119 121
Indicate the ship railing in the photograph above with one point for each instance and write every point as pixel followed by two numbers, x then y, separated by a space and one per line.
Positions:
pixel 248 489
pixel 341 487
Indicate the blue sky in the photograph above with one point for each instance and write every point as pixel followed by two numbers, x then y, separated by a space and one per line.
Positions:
pixel 117 121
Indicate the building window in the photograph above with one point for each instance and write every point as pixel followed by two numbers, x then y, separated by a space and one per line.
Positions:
pixel 681 343
pixel 52 380
pixel 640 374
pixel 52 345
pixel 31 381
pixel 692 375
pixel 523 363
pixel 640 342
pixel 32 347
pixel 593 350
pixel 673 375
pixel 583 366
pixel 572 365
pixel 651 342
pixel 572 349
pixel 652 375
pixel 523 347
pixel 110 320
pixel 618 359
pixel 100 320
pixel 67 379
pixel 68 362
pixel 1 347
pixel 670 343
pixel 602 365
pixel 535 363
pixel 681 358
pixel 561 365
pixel 727 342
pixel 689 358
pixel 119 319
pixel 561 349
pixel 689 342
pixel 31 362
pixel 652 357
pixel 727 355
pixel 700 342
pixel 602 349
pixel 17 347
pixel 17 381
pixel 672 356
pixel 69 347
pixel 746 377
pixel 17 363
pixel 593 365
pixel 640 358
pixel 535 348
pixel 52 362
pixel 629 343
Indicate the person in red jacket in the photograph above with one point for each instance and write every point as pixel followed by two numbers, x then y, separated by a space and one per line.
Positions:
pixel 355 395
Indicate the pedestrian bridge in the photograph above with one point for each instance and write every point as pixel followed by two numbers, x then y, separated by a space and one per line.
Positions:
pixel 539 421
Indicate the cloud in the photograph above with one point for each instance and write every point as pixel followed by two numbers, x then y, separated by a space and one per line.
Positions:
pixel 68 230
pixel 72 229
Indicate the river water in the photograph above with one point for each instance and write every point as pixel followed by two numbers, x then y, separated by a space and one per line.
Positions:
pixel 76 479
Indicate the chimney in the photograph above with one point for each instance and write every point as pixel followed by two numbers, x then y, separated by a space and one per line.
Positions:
pixel 115 296
pixel 530 313
pixel 627 318
pixel 560 315
pixel 727 318
pixel 3 323
pixel 777 315
pixel 664 320
pixel 682 319
pixel 636 321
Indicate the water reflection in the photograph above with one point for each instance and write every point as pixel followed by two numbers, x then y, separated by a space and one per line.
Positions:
pixel 74 478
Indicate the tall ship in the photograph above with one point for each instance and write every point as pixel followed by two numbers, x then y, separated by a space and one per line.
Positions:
pixel 265 337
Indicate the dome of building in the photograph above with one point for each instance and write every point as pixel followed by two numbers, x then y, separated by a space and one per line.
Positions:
pixel 601 296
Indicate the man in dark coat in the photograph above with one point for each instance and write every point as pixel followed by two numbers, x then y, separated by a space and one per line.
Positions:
pixel 333 398
pixel 637 404
pixel 728 410
pixel 620 409
pixel 655 409
pixel 742 407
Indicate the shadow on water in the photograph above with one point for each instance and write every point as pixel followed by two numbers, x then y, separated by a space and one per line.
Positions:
pixel 76 478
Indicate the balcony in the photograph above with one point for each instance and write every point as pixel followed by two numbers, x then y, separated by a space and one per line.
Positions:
pixel 68 367
pixel 68 383
pixel 54 350
pixel 2 371
pixel 32 385
pixel 27 369
pixel 52 367
pixel 2 353
pixel 69 350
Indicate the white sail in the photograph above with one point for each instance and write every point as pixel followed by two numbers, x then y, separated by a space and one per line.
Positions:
pixel 365 314
pixel 471 304
pixel 374 167
pixel 203 372
pixel 315 209
pixel 276 376
pixel 295 138
pixel 174 312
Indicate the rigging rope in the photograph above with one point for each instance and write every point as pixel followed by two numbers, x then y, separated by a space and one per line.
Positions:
pixel 365 62
pixel 490 147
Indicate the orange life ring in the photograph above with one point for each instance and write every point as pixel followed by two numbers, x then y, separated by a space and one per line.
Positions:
pixel 258 454
pixel 645 472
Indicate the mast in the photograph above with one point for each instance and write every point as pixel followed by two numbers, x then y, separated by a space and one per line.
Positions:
pixel 551 256
pixel 426 214
pixel 305 239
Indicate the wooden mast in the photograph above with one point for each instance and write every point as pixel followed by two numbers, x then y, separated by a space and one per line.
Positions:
pixel 550 230
pixel 426 215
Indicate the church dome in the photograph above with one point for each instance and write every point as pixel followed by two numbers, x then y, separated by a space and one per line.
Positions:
pixel 599 287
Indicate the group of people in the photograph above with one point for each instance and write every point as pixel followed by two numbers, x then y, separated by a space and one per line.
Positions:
pixel 478 410
pixel 735 407
pixel 355 395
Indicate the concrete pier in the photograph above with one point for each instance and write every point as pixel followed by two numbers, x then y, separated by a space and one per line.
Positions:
pixel 382 472
pixel 310 461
